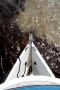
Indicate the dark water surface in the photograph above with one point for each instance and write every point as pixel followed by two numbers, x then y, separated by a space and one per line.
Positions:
pixel 11 37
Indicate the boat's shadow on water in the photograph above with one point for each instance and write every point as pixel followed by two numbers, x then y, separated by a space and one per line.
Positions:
pixel 10 35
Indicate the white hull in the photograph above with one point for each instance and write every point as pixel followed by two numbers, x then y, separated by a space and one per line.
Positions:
pixel 29 81
pixel 40 73
pixel 30 55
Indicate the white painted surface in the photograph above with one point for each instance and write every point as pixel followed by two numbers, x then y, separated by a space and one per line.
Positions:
pixel 41 67
pixel 24 58
pixel 30 81
pixel 29 55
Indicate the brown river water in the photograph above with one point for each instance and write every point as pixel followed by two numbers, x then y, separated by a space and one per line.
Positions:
pixel 43 17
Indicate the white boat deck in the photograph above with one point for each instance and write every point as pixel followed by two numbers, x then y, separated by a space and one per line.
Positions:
pixel 30 59
pixel 29 81
pixel 30 69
